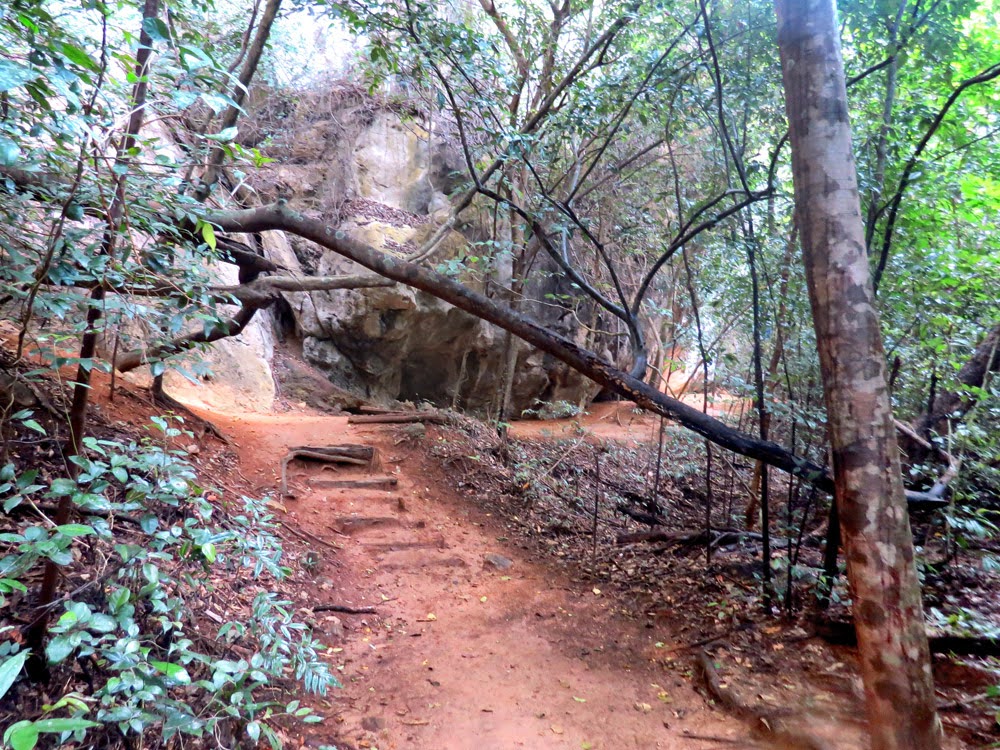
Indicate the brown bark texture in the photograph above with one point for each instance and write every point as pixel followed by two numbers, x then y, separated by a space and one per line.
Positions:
pixel 885 590
pixel 951 406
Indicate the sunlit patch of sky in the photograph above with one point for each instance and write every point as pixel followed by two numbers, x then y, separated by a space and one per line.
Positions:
pixel 309 46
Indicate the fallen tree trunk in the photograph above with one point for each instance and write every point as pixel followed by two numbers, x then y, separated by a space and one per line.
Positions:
pixel 714 538
pixel 950 407
pixel 841 633
pixel 279 217
pixel 399 417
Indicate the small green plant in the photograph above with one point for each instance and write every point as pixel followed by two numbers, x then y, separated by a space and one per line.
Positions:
pixel 160 542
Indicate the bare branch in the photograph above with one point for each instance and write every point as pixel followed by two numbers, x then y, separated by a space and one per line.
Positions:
pixel 232 327
pixel 280 217
pixel 892 206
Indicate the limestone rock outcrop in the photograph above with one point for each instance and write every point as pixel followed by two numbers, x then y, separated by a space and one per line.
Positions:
pixel 385 180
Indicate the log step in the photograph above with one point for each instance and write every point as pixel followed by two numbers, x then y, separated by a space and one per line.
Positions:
pixel 399 417
pixel 438 544
pixel 365 483
pixel 354 524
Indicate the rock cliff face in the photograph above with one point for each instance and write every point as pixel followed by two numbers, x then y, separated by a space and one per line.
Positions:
pixel 241 373
pixel 385 180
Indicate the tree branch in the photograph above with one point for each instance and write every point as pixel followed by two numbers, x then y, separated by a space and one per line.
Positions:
pixel 232 113
pixel 280 217
pixel 904 182
pixel 232 327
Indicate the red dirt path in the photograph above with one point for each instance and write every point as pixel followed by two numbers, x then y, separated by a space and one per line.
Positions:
pixel 462 655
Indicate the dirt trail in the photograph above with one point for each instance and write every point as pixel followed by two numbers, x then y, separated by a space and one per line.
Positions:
pixel 463 654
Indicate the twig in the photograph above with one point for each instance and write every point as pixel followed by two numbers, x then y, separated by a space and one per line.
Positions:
pixel 561 458
pixel 344 609
pixel 309 537
pixel 960 705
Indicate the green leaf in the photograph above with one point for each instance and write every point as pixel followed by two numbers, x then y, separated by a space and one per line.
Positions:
pixel 31 424
pixel 12 502
pixel 208 551
pixel 9 152
pixel 58 649
pixel 156 29
pixel 60 556
pixel 75 529
pixel 62 486
pixel 9 671
pixel 148 523
pixel 223 136
pixel 102 623
pixel 217 102
pixel 21 736
pixel 174 671
pixel 13 74
pixel 253 730
pixel 209 234
pixel 78 56
pixel 64 725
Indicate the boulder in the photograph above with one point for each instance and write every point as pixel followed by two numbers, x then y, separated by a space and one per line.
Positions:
pixel 386 182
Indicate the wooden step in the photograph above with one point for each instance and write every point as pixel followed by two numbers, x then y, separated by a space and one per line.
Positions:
pixel 360 483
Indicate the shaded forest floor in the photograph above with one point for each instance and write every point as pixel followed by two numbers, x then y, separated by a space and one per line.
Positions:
pixel 498 614
pixel 575 644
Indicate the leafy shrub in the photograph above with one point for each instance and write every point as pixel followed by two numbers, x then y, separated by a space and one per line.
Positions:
pixel 155 545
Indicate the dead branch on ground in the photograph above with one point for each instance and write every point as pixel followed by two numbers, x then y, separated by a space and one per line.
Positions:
pixel 400 417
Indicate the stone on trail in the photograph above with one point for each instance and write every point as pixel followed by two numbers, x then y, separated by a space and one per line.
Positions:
pixel 498 561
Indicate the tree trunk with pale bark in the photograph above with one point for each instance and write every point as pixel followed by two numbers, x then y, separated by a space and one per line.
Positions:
pixel 885 590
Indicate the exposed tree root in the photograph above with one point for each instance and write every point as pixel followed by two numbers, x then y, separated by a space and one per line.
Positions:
pixel 766 725
pixel 359 455
pixel 161 398
pixel 302 534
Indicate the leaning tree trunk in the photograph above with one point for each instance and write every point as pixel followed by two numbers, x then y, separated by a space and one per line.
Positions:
pixel 949 407
pixel 885 591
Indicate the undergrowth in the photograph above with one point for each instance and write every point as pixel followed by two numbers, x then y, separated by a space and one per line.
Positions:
pixel 130 659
